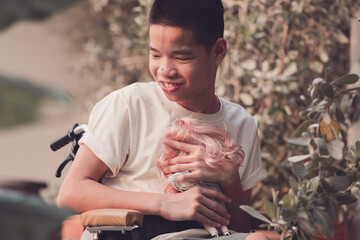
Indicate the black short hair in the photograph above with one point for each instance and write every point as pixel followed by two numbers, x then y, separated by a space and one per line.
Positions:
pixel 205 18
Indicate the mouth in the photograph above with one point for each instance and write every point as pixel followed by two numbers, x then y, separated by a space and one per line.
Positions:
pixel 169 87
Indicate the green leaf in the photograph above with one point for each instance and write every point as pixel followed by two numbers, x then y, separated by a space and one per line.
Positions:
pixel 323 223
pixel 299 169
pixel 335 149
pixel 303 98
pixel 347 79
pixel 298 158
pixel 287 200
pixel 252 212
pixel 326 186
pixel 293 184
pixel 321 106
pixel 327 74
pixel 339 115
pixel 327 90
pixel 274 196
pixel 304 113
pixel 302 128
pixel 331 209
pixel 313 94
pixel 338 183
pixel 270 209
pixel 314 183
pixel 320 143
pixel 299 141
pixel 357 145
pixel 303 214
pixel 287 215
pixel 345 198
pixel 317 81
pixel 305 224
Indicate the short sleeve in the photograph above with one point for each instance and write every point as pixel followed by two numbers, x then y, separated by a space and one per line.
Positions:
pixel 252 171
pixel 108 132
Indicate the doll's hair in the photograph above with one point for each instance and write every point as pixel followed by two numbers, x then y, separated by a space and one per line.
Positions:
pixel 216 141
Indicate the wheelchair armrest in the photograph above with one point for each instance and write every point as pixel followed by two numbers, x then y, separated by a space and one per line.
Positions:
pixel 111 217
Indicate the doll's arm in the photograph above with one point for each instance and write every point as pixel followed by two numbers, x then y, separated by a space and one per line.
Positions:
pixel 180 186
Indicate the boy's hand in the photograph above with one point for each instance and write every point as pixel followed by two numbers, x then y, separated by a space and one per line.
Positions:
pixel 195 204
pixel 223 174
pixel 226 175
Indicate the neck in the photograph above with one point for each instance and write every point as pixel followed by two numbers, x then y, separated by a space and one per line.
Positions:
pixel 208 107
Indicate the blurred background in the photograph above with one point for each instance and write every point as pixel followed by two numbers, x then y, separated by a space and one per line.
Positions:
pixel 58 58
pixel 40 87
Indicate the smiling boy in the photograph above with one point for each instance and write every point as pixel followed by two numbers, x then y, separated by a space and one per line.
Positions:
pixel 185 70
pixel 118 155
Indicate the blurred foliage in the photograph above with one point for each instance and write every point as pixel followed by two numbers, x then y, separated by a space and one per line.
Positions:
pixel 275 48
pixel 20 101
pixel 326 170
pixel 26 217
pixel 14 10
pixel 120 55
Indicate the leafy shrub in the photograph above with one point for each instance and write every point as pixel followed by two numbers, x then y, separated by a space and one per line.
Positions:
pixel 326 170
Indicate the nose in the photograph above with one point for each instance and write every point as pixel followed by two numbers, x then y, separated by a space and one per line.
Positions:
pixel 167 70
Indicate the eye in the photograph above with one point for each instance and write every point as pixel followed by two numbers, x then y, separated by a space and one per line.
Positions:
pixel 184 59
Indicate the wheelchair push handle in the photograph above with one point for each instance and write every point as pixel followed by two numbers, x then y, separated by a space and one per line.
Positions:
pixel 72 136
pixel 61 141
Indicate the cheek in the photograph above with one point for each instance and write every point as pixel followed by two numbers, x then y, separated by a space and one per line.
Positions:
pixel 153 68
pixel 188 71
pixel 192 74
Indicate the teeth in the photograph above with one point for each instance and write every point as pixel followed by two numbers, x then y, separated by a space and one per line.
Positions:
pixel 170 85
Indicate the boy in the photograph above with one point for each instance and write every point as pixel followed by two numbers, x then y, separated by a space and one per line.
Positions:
pixel 120 149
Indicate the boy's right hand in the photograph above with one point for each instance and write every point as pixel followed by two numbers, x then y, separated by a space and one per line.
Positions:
pixel 195 204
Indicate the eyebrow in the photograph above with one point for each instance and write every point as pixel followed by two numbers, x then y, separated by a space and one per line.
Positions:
pixel 176 52
pixel 153 49
pixel 183 52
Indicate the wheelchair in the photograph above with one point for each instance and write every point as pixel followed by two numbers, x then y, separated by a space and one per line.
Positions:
pixel 120 224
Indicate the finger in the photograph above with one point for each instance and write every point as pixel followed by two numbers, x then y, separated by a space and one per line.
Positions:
pixel 201 174
pixel 180 160
pixel 186 147
pixel 212 193
pixel 178 164
pixel 206 221
pixel 214 212
pixel 208 216
pixel 177 168
pixel 188 164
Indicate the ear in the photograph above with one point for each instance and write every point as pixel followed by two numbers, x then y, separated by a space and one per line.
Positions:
pixel 220 48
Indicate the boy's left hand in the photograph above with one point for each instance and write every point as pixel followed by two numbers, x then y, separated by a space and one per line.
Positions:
pixel 223 174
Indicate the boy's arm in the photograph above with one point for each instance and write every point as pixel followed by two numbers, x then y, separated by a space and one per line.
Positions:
pixel 232 188
pixel 81 191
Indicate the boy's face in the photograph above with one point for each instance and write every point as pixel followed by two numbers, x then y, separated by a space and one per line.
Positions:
pixel 184 70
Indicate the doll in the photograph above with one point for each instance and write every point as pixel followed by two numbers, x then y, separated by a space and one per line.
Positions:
pixel 218 145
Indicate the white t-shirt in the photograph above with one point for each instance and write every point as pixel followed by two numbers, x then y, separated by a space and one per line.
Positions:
pixel 126 127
